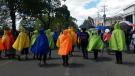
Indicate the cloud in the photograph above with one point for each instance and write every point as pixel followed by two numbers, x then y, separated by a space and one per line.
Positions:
pixel 78 10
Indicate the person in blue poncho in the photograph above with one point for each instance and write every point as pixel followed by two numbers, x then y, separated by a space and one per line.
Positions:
pixel 41 46
pixel 55 37
pixel 33 39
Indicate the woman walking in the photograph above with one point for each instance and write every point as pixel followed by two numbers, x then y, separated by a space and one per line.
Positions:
pixel 65 46
pixel 117 42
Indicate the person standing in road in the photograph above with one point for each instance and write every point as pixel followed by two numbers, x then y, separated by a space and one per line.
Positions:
pixel 41 46
pixel 22 42
pixel 84 36
pixel 95 43
pixel 117 42
pixel 133 40
pixel 65 46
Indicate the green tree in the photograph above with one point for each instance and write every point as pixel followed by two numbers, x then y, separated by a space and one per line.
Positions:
pixel 88 23
pixel 44 10
pixel 62 16
pixel 13 5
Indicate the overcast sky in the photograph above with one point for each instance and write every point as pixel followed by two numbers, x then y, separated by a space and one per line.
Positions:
pixel 81 9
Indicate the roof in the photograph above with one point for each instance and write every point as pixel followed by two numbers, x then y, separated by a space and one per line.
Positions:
pixel 129 6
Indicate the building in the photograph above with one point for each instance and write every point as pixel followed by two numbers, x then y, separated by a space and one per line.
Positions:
pixel 129 13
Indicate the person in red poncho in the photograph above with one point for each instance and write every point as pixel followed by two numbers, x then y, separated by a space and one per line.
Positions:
pixel 7 40
pixel 1 44
pixel 64 46
pixel 106 39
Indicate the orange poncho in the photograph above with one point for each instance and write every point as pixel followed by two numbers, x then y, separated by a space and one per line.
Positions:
pixel 73 35
pixel 65 44
pixel 7 40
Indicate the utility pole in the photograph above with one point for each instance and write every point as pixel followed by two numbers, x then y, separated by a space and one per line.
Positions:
pixel 104 15
pixel 98 17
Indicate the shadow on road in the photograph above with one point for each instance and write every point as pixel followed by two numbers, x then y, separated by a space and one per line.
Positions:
pixel 58 58
pixel 76 65
pixel 49 65
pixel 76 55
pixel 129 63
pixel 102 59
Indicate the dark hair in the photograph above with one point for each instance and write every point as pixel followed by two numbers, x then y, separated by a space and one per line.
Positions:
pixel 83 29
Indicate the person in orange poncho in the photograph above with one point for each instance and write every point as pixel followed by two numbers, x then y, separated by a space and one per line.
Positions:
pixel 64 46
pixel 8 40
pixel 73 37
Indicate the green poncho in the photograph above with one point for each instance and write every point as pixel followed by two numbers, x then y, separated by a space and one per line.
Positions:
pixel 95 42
pixel 117 42
pixel 34 36
pixel 50 38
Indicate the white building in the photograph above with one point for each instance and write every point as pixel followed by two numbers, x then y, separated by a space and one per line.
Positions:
pixel 129 13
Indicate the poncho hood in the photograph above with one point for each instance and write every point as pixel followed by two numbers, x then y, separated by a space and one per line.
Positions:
pixel 117 26
pixel 21 29
pixel 65 32
pixel 9 33
pixel 41 31
pixel 35 32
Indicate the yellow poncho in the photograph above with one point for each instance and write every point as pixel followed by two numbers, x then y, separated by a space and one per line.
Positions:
pixel 58 40
pixel 22 41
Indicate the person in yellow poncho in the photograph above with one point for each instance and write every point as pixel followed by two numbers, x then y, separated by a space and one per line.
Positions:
pixel 73 37
pixel 64 46
pixel 78 38
pixel 58 40
pixel 21 44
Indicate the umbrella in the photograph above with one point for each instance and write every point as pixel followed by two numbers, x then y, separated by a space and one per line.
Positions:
pixel 133 25
pixel 125 25
pixel 126 22
pixel 101 27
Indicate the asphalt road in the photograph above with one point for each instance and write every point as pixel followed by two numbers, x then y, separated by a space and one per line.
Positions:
pixel 105 66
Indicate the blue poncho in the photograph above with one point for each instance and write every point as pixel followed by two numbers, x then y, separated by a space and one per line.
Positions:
pixel 55 35
pixel 41 45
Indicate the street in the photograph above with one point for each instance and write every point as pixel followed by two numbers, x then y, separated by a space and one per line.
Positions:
pixel 105 66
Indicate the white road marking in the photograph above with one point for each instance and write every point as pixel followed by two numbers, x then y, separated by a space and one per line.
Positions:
pixel 67 73
pixel 6 63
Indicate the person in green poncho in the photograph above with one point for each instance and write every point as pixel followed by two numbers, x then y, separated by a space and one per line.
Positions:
pixel 117 42
pixel 95 43
pixel 51 41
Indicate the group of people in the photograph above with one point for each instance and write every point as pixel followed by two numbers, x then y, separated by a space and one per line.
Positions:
pixel 43 41
pixel 95 41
